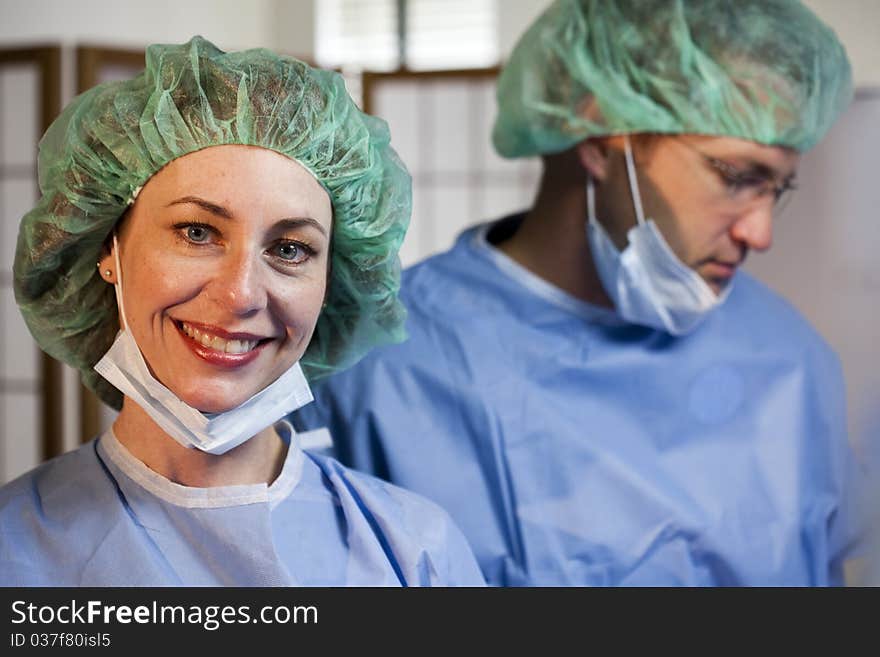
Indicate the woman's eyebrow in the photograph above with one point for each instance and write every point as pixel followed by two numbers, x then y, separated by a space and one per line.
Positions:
pixel 220 211
pixel 213 208
pixel 299 222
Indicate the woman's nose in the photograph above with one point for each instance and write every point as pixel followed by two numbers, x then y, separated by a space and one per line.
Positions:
pixel 239 285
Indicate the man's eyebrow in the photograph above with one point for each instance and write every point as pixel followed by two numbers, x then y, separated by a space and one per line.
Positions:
pixel 213 208
pixel 765 171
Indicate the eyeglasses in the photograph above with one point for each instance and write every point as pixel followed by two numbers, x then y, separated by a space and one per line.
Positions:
pixel 747 187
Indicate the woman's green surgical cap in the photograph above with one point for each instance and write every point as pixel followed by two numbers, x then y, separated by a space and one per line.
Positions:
pixel 110 140
pixel 764 70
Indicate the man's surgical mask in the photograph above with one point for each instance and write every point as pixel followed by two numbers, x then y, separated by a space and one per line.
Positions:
pixel 124 366
pixel 647 282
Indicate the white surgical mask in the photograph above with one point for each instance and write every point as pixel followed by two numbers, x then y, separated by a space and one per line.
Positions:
pixel 124 366
pixel 647 282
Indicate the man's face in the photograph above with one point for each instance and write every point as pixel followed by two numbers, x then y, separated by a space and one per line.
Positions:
pixel 711 197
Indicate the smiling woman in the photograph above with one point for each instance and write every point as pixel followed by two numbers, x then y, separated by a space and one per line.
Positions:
pixel 245 218
pixel 215 250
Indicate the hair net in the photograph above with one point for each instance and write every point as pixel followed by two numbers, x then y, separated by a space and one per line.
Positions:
pixel 765 70
pixel 110 140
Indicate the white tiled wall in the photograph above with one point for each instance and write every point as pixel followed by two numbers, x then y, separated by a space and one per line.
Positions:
pixel 19 122
pixel 20 357
pixel 17 197
pixel 441 128
pixel 20 446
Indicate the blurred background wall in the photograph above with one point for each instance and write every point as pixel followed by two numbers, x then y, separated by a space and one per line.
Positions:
pixel 825 254
pixel 291 24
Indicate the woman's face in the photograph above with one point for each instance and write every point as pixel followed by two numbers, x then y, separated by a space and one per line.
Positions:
pixel 224 270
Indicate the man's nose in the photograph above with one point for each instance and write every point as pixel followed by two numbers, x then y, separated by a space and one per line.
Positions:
pixel 754 228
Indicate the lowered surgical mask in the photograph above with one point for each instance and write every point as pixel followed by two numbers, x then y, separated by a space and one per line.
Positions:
pixel 124 366
pixel 647 282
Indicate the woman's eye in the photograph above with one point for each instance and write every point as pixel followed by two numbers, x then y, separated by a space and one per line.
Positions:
pixel 197 234
pixel 292 252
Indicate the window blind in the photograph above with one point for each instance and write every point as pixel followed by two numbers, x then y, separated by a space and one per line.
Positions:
pixel 438 34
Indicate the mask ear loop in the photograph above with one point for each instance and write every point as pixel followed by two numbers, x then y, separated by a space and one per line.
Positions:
pixel 633 181
pixel 591 200
pixel 117 286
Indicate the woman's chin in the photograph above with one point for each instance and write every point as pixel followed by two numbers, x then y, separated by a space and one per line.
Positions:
pixel 212 402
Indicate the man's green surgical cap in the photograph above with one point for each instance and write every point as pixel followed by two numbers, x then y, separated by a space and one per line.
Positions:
pixel 109 141
pixel 764 70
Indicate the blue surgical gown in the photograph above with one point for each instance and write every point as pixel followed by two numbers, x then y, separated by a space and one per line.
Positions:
pixel 573 448
pixel 98 516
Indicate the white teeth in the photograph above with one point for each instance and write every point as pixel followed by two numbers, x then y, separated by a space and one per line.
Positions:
pixel 237 346
pixel 217 343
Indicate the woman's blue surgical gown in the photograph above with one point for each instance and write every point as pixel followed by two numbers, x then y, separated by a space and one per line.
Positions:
pixel 98 516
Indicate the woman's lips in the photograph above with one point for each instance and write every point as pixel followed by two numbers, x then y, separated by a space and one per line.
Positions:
pixel 219 347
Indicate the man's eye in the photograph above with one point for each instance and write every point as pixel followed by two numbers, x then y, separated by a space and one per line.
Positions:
pixel 741 183
pixel 730 182
pixel 753 182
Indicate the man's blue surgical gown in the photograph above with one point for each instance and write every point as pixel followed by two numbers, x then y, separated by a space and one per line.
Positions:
pixel 575 449
pixel 97 516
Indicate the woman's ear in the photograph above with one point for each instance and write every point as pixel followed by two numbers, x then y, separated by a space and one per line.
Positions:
pixel 593 156
pixel 107 268
pixel 106 263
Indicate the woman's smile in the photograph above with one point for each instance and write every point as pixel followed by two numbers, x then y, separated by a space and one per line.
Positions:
pixel 220 347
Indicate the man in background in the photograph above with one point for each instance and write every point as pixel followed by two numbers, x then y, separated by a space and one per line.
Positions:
pixel 592 388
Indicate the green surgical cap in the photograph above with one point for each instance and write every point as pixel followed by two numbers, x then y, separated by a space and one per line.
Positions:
pixel 110 140
pixel 764 70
